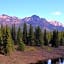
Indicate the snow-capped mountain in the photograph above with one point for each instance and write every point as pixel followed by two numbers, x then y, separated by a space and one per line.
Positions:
pixel 34 20
pixel 5 19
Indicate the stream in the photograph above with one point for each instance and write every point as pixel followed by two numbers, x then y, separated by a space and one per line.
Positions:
pixel 50 61
pixel 61 61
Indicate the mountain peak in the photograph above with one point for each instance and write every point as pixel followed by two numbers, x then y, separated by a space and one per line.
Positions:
pixel 35 16
pixel 4 15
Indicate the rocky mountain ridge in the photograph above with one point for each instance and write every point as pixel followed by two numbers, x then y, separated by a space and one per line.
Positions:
pixel 34 20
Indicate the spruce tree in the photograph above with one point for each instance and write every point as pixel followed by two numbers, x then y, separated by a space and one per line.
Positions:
pixel 19 35
pixel 8 42
pixel 45 38
pixel 21 45
pixel 62 39
pixel 24 38
pixel 31 36
pixel 4 37
pixel 13 33
pixel 38 36
pixel 1 41
pixel 55 39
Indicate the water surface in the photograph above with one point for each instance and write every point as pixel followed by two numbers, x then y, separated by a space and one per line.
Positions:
pixel 60 61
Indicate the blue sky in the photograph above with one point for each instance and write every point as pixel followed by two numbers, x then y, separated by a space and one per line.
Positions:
pixel 49 9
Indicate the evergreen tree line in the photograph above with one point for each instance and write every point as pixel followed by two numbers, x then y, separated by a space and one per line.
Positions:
pixel 11 37
pixel 42 38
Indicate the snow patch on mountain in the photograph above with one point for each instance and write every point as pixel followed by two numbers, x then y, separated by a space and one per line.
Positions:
pixel 56 23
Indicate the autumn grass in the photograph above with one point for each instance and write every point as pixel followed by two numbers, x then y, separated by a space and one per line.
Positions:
pixel 30 48
pixel 47 48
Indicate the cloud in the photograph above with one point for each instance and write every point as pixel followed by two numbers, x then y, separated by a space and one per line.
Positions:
pixel 57 13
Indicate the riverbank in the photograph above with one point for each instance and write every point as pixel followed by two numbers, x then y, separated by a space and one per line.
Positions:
pixel 32 55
